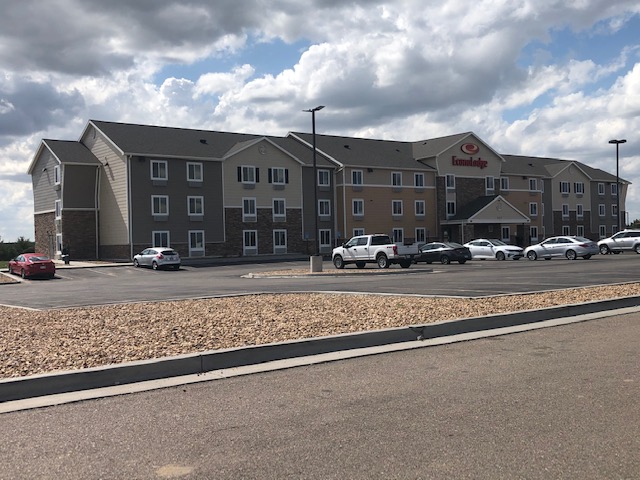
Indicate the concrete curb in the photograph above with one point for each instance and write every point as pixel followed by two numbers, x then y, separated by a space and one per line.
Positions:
pixel 21 388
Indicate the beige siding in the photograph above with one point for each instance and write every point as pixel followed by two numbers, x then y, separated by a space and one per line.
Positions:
pixel 572 174
pixel 45 192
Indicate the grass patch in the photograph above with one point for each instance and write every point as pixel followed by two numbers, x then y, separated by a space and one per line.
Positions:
pixel 4 264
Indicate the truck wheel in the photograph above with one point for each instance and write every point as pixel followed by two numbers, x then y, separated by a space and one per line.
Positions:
pixel 405 263
pixel 338 262
pixel 361 264
pixel 383 261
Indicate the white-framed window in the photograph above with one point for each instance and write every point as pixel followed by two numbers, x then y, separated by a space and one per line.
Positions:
pixel 602 230
pixel 160 238
pixel 602 211
pixel 57 177
pixel 533 233
pixel 356 177
pixel 279 209
pixel 194 173
pixel 580 230
pixel 248 174
pixel 533 209
pixel 578 187
pixel 579 210
pixel 159 170
pixel 600 188
pixel 398 235
pixel 324 178
pixel 196 243
pixel 396 207
pixel 396 179
pixel 533 184
pixel 614 189
pixel 59 246
pixel 566 230
pixel 278 175
pixel 565 187
pixel 504 184
pixel 249 242
pixel 249 209
pixel 358 231
pixel 506 234
pixel 490 184
pixel 614 210
pixel 195 205
pixel 280 241
pixel 58 208
pixel 325 239
pixel 451 209
pixel 420 208
pixel 418 180
pixel 159 204
pixel 450 181
pixel 565 211
pixel 324 208
pixel 421 234
pixel 541 184
pixel 357 206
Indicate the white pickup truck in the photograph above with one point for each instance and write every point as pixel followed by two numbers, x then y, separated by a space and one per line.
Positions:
pixel 364 249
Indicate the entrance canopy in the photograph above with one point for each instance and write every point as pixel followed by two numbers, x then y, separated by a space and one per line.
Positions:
pixel 488 209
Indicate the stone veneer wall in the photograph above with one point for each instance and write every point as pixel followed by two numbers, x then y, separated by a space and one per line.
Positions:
pixel 45 232
pixel 79 233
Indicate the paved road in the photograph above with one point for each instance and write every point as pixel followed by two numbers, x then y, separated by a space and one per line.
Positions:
pixel 561 402
pixel 477 278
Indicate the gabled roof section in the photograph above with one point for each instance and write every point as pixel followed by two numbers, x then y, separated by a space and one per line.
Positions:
pixel 434 147
pixel 238 147
pixel 475 212
pixel 168 142
pixel 65 152
pixel 527 166
pixel 303 152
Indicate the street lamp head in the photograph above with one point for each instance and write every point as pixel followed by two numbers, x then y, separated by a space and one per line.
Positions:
pixel 618 141
pixel 311 110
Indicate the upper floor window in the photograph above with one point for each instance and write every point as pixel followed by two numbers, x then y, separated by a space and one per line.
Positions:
pixel 533 184
pixel 279 175
pixel 159 204
pixel 533 209
pixel 323 178
pixel 565 210
pixel 194 172
pixel 324 208
pixel 451 181
pixel 356 177
pixel 58 208
pixel 396 207
pixel 279 208
pixel 451 209
pixel 159 170
pixel 396 179
pixel 490 184
pixel 579 188
pixel 614 189
pixel 248 174
pixel 504 183
pixel 358 207
pixel 579 210
pixel 195 205
pixel 420 208
pixel 418 179
pixel 249 210
pixel 565 187
pixel 601 210
pixel 57 178
pixel 601 189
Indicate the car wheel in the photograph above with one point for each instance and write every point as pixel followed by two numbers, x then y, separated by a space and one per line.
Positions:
pixel 532 255
pixel 176 267
pixel 383 261
pixel 361 264
pixel 154 265
pixel 500 256
pixel 338 262
pixel 462 262
pixel 604 250
pixel 405 263
pixel 586 257
pixel 637 248
pixel 571 255
pixel 23 274
pixel 445 260
pixel 136 263
pixel 428 263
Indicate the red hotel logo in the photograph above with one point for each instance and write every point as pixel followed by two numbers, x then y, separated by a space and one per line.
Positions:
pixel 470 148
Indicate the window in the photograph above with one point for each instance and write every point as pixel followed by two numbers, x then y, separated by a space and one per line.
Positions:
pixel 279 241
pixel 249 213
pixel 195 205
pixel 279 209
pixel 533 233
pixel 578 187
pixel 579 210
pixel 490 184
pixel 249 242
pixel 566 230
pixel 602 230
pixel 601 189
pixel 614 189
pixel 580 230
pixel 420 208
pixel 325 239
pixel 56 175
pixel 533 209
pixel 323 178
pixel 160 238
pixel 601 210
pixel 356 177
pixel 248 174
pixel 506 234
pixel 451 209
pixel 565 211
pixel 358 207
pixel 421 235
pixel 196 243
pixel 194 174
pixel 58 208
pixel 324 208
pixel 278 175
pixel 418 180
pixel 159 170
pixel 614 210
pixel 398 235
pixel 159 204
pixel 59 246
pixel 396 207
pixel 504 184
pixel 451 181
pixel 565 188
pixel 533 184
pixel 358 231
pixel 396 179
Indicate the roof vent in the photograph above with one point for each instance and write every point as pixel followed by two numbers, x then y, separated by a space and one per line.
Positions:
pixel 347 147
pixel 203 141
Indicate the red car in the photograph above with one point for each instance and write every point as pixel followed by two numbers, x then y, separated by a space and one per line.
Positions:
pixel 32 265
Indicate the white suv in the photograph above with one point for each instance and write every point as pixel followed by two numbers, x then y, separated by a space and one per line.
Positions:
pixel 621 241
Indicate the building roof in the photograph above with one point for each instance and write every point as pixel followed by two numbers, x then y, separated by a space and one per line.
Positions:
pixel 66 152
pixel 435 146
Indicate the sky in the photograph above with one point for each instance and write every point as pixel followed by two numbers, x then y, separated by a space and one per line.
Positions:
pixel 553 78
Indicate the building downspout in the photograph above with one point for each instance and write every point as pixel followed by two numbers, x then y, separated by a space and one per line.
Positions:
pixel 96 211
pixel 129 219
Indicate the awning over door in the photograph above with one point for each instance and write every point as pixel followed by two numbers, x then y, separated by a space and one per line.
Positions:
pixel 488 209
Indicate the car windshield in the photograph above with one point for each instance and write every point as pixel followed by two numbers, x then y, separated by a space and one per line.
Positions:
pixel 495 241
pixel 582 239
pixel 169 252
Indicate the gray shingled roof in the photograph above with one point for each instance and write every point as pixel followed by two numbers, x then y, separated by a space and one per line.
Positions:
pixel 69 151
pixel 435 146
pixel 548 167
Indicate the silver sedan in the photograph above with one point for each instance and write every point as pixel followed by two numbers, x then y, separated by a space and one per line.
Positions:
pixel 564 246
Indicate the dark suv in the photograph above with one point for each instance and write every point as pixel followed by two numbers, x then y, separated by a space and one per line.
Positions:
pixel 621 241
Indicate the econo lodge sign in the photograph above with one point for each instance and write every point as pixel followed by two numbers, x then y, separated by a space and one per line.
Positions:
pixel 470 149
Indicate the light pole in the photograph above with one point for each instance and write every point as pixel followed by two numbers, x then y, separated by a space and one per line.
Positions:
pixel 617 144
pixel 316 258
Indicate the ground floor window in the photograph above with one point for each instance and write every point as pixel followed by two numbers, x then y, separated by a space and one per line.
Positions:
pixel 279 241
pixel 566 230
pixel 59 242
pixel 325 239
pixel 506 234
pixel 250 242
pixel 398 235
pixel 533 233
pixel 580 230
pixel 160 239
pixel 421 235
pixel 196 243
pixel 358 231
pixel 602 231
pixel 451 209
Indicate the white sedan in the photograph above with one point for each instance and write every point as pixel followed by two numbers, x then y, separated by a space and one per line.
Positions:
pixel 483 248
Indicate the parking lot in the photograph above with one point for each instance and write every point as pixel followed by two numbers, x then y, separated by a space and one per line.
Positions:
pixel 104 285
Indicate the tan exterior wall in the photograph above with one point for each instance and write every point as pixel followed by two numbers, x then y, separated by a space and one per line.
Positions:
pixel 45 192
pixel 572 174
